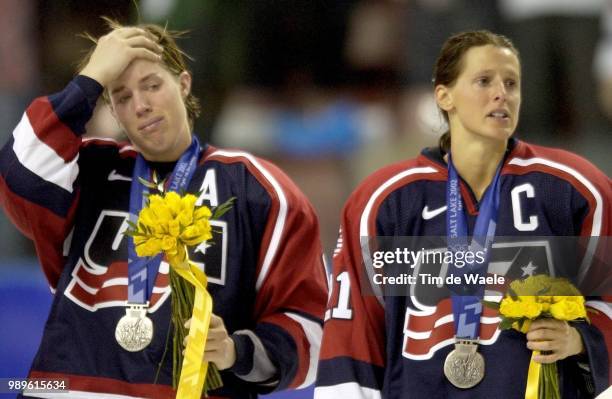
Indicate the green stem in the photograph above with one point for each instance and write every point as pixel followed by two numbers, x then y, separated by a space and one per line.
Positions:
pixel 549 382
pixel 161 362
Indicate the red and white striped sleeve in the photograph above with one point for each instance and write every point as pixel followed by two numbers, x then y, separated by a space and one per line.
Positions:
pixel 39 167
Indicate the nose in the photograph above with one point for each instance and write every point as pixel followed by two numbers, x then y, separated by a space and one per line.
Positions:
pixel 500 92
pixel 141 104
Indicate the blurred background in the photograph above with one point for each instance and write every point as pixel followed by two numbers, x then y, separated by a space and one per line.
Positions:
pixel 330 90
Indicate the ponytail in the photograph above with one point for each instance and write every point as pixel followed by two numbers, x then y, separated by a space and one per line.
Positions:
pixel 445 141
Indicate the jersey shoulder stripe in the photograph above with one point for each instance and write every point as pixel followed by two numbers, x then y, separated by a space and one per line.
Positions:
pixel 40 158
pixel 47 126
pixel 376 187
pixel 264 176
pixel 19 181
pixel 582 175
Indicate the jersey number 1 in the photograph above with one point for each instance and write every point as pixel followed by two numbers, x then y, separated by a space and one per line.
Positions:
pixel 343 310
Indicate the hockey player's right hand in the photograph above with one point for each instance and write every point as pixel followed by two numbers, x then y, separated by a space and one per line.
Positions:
pixel 116 50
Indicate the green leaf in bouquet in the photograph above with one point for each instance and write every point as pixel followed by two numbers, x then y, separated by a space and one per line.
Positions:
pixel 506 323
pixel 222 209
pixel 147 184
pixel 544 290
pixel 491 304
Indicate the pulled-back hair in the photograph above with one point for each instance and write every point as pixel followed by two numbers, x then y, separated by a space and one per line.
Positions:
pixel 450 61
pixel 173 58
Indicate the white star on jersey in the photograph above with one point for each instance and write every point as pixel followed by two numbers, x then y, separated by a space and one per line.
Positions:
pixel 202 247
pixel 529 269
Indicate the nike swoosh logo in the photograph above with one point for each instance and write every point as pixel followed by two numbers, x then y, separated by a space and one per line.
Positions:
pixel 113 175
pixel 427 214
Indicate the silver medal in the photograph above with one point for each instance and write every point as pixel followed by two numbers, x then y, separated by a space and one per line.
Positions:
pixel 464 367
pixel 134 331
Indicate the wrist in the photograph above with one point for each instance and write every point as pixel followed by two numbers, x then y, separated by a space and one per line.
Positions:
pixel 230 350
pixel 93 74
pixel 576 339
pixel 243 362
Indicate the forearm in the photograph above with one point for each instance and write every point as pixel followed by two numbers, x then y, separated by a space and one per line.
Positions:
pixel 594 360
pixel 253 362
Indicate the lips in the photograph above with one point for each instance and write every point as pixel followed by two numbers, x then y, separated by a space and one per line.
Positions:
pixel 150 125
pixel 499 114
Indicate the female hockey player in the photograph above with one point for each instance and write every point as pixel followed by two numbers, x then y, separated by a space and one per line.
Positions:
pixel 479 182
pixel 73 197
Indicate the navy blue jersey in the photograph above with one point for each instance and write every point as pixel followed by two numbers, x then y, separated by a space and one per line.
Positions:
pixel 377 346
pixel 265 273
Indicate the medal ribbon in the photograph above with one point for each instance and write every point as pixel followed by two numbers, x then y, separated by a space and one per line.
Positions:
pixel 142 271
pixel 466 303
pixel 193 373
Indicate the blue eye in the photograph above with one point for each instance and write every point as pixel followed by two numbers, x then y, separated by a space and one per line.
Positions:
pixel 483 81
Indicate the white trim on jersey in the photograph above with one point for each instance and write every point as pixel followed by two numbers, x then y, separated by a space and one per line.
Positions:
pixel 110 140
pixel 42 160
pixel 605 394
pixel 426 334
pixel 445 343
pixel 263 368
pixel 76 281
pixel 603 307
pixel 347 390
pixel 365 216
pixel 314 334
pixel 127 148
pixel 420 335
pixel 282 211
pixel 597 213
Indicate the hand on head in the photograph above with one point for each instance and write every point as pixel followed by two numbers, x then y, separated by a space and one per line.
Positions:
pixel 116 50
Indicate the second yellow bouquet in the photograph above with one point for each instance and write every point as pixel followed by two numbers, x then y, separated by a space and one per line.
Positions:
pixel 538 297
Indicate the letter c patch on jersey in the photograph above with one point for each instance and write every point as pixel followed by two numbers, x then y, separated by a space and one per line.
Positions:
pixel 521 223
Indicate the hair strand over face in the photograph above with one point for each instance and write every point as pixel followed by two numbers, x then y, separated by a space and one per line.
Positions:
pixel 173 58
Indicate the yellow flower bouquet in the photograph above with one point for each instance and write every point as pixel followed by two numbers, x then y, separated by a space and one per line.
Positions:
pixel 538 297
pixel 170 223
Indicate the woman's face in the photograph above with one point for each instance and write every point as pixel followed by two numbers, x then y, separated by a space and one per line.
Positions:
pixel 148 101
pixel 485 99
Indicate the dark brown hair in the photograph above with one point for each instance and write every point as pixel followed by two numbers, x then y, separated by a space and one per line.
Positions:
pixel 173 58
pixel 450 61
